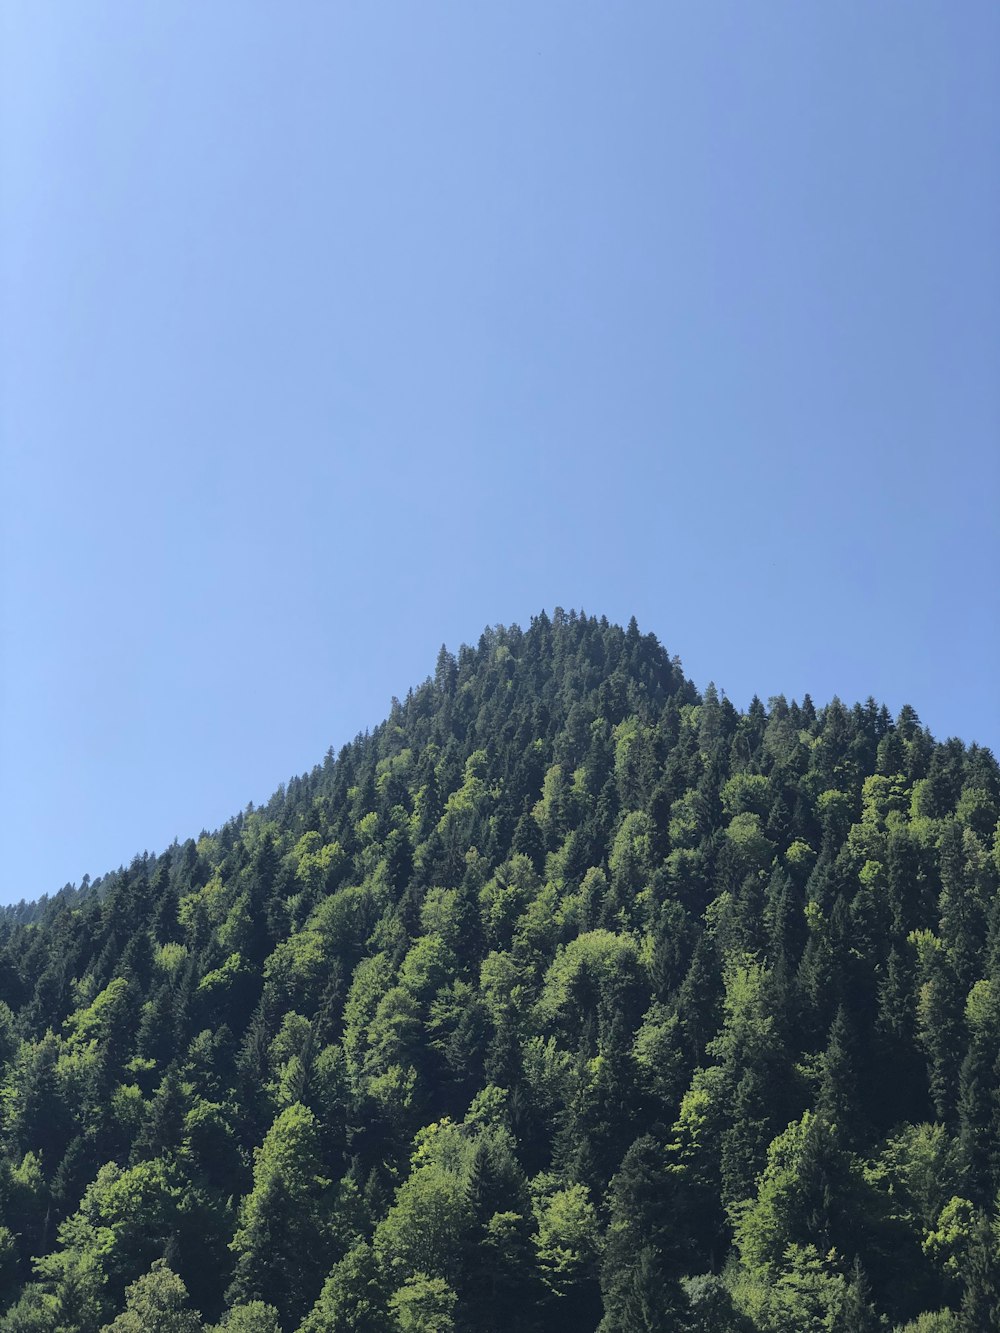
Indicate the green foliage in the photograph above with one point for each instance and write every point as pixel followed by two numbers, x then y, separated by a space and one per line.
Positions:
pixel 567 998
pixel 747 837
pixel 424 1305
pixel 156 1303
pixel 594 965
pixel 253 1317
pixel 280 1243
pixel 568 1241
pixel 353 1299
pixel 811 1197
pixel 424 1229
pixel 746 793
pixel 932 1321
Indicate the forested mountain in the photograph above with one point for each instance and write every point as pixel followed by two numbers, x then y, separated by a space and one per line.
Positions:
pixel 568 998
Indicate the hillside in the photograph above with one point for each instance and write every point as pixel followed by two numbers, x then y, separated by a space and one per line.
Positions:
pixel 568 997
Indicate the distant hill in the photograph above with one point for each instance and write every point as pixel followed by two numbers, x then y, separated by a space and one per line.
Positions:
pixel 568 998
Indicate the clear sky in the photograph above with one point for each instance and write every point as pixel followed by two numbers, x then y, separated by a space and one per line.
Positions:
pixel 331 332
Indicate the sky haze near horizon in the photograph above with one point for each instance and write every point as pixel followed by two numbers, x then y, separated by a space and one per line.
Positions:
pixel 335 332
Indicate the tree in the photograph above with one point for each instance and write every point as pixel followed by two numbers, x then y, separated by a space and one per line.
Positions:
pixel 156 1303
pixel 646 1248
pixel 711 1307
pixel 164 1126
pixel 643 1299
pixel 425 1228
pixel 981 1280
pixel 810 1194
pixel 838 1101
pixel 353 1299
pixel 498 1280
pixel 568 1247
pixel 280 1246
pixel 424 1305
pixel 253 1317
pixel 939 1024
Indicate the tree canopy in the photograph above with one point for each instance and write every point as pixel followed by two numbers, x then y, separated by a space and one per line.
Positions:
pixel 567 997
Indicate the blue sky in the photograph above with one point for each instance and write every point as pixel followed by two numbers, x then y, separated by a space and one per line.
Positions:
pixel 335 331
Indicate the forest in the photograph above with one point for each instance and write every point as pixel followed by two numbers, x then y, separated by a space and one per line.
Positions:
pixel 567 998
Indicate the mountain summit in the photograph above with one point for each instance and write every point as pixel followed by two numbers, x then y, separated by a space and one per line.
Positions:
pixel 567 998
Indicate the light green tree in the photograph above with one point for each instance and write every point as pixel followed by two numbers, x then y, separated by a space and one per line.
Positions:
pixel 252 1317
pixel 156 1303
pixel 424 1305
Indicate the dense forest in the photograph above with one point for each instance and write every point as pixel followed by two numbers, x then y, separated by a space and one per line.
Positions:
pixel 569 998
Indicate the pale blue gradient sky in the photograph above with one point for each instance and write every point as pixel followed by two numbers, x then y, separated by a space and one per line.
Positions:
pixel 333 331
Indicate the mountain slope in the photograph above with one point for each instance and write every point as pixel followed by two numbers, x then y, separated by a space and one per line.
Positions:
pixel 567 997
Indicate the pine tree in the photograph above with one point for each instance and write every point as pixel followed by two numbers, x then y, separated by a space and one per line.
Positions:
pixel 838 1100
pixel 980 1310
pixel 164 1125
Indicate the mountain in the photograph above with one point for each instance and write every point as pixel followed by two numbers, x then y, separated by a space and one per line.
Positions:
pixel 569 997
